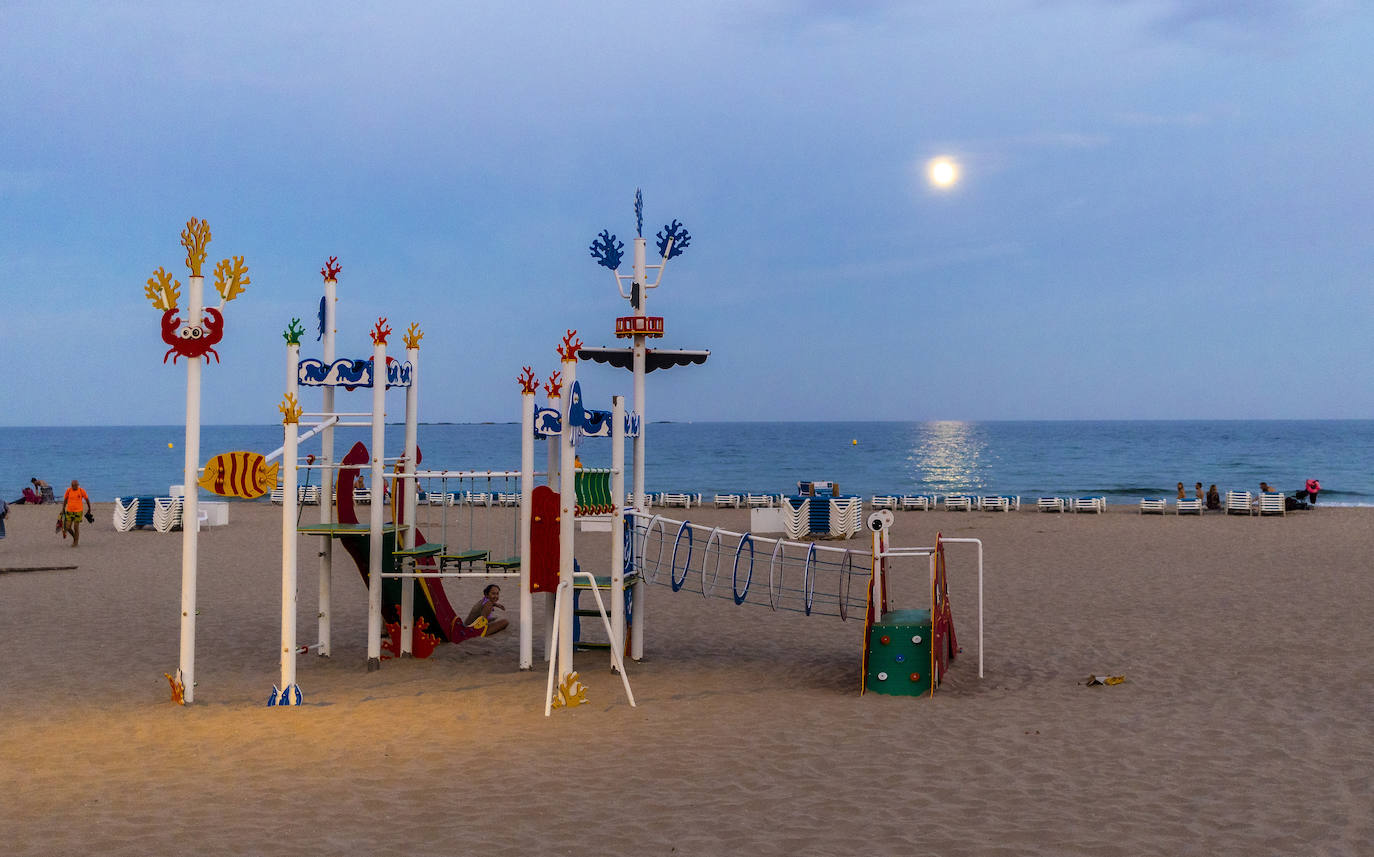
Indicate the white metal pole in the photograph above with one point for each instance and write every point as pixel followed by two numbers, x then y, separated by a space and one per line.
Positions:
pixel 290 447
pixel 327 480
pixel 617 527
pixel 190 507
pixel 555 480
pixel 639 357
pixel 526 488
pixel 376 508
pixel 409 495
pixel 567 502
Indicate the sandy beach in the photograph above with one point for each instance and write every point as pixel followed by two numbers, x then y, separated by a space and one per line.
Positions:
pixel 1243 725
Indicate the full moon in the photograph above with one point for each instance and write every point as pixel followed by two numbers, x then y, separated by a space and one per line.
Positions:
pixel 943 172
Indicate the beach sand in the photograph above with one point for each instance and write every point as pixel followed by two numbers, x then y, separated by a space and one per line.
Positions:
pixel 1243 725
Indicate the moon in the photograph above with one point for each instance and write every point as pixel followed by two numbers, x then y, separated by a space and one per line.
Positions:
pixel 942 172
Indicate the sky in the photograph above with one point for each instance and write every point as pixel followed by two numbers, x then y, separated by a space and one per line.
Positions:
pixel 1165 209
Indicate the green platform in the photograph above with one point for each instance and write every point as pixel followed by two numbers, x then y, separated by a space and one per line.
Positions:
pixel 901 665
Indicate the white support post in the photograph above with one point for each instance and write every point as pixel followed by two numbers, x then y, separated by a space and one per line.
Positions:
pixel 190 507
pixel 617 528
pixel 290 452
pixel 526 513
pixel 554 478
pixel 327 480
pixel 409 495
pixel 567 503
pixel 376 508
pixel 640 277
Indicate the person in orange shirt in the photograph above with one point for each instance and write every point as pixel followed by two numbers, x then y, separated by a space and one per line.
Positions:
pixel 70 522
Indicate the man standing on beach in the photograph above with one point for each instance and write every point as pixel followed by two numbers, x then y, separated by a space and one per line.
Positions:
pixel 72 500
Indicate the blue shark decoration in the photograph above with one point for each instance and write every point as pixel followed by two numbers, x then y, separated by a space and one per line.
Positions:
pixel 678 233
pixel 321 336
pixel 311 372
pixel 607 251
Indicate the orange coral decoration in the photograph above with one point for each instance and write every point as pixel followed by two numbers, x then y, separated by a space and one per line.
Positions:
pixel 380 332
pixel 412 336
pixel 526 381
pixel 331 269
pixel 554 387
pixel 571 344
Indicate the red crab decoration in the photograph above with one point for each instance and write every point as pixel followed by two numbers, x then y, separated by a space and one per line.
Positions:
pixel 189 340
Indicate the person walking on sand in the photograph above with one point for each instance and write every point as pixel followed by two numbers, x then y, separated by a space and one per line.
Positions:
pixel 491 600
pixel 70 521
pixel 4 513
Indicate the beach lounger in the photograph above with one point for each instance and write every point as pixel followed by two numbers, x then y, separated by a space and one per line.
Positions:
pixel 727 501
pixel 759 501
pixel 1096 505
pixel 1272 504
pixel 885 501
pixel 125 513
pixel 916 502
pixel 1238 503
pixel 1050 504
pixel 994 504
pixel 477 498
pixel 1153 505
pixel 958 503
pixel 683 500
pixel 1188 507
pixel 167 513
pixel 508 498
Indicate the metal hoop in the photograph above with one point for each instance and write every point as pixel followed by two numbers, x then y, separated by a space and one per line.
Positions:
pixel 809 578
pixel 773 564
pixel 734 575
pixel 846 572
pixel 714 538
pixel 678 581
pixel 643 548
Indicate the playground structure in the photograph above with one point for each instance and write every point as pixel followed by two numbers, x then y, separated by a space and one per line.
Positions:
pixel 405 574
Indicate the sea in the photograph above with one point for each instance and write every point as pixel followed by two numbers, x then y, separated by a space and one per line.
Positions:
pixel 1121 460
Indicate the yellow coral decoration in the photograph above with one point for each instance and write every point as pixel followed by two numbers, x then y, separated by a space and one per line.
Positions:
pixel 194 238
pixel 162 290
pixel 413 336
pixel 571 692
pixel 290 411
pixel 231 277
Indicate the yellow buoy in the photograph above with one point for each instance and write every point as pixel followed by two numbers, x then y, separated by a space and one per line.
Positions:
pixel 854 442
pixel 169 446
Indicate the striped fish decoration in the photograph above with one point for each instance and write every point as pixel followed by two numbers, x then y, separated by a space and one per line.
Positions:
pixel 239 474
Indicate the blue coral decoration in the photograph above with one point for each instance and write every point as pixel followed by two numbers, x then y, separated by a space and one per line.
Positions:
pixel 607 251
pixel 639 213
pixel 680 238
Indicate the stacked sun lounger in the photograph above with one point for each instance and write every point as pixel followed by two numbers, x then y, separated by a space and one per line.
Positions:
pixel 1188 507
pixel 1238 503
pixel 167 513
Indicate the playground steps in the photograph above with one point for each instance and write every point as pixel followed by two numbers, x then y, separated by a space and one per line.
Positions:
pixel 900 654
pixel 590 611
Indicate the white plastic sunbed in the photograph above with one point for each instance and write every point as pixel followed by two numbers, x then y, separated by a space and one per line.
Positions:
pixel 1272 504
pixel 1238 503
pixel 1188 507
pixel 1153 505
pixel 1050 504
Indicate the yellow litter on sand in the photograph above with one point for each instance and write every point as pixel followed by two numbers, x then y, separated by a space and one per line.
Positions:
pixel 1096 680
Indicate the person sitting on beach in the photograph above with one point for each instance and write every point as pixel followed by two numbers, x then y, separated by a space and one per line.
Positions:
pixel 1201 495
pixel 1182 492
pixel 43 490
pixel 69 521
pixel 491 600
pixel 30 498
pixel 1213 499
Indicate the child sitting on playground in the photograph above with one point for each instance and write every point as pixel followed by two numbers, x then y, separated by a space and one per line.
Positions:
pixel 491 600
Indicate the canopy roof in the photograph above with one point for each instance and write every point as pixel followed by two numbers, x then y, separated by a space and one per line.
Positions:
pixel 654 358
